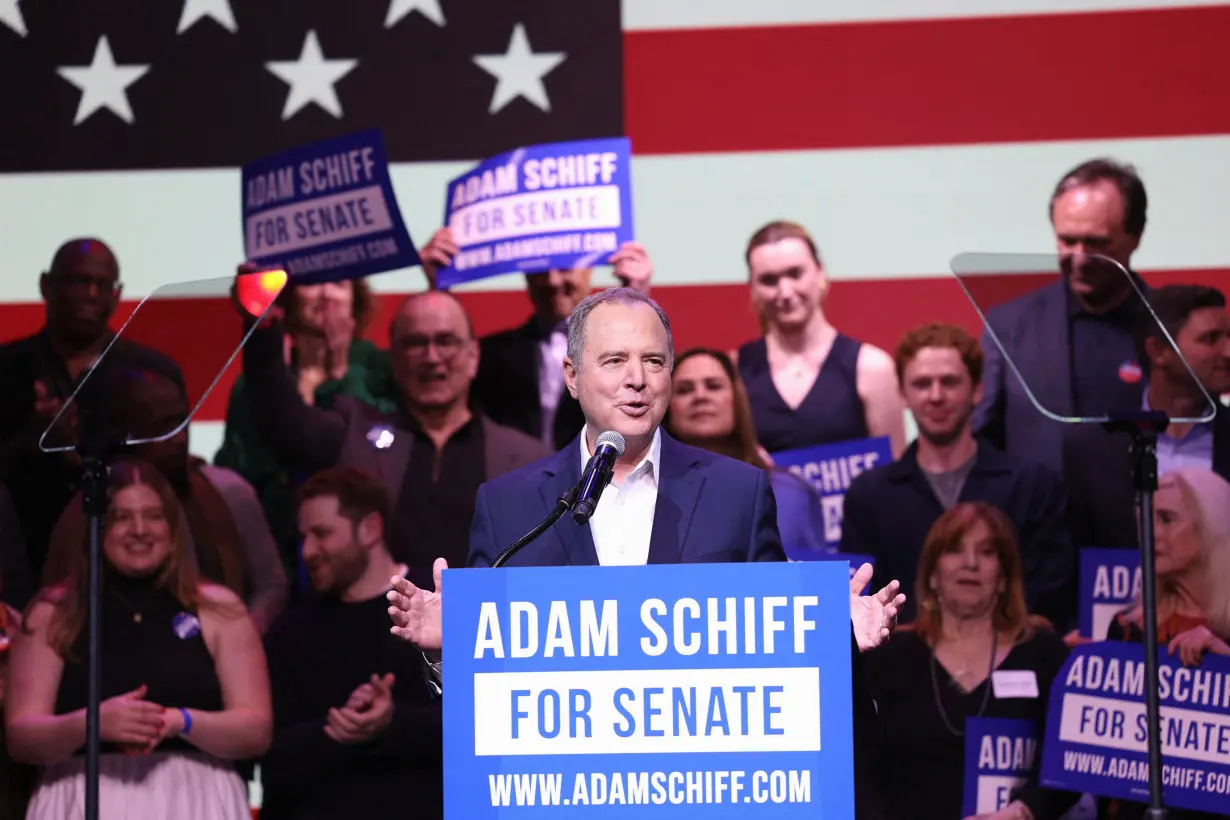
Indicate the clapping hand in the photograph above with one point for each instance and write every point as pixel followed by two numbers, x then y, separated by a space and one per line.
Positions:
pixel 367 712
pixel 416 612
pixel 873 616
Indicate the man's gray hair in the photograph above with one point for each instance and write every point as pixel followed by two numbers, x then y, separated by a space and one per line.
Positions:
pixel 620 296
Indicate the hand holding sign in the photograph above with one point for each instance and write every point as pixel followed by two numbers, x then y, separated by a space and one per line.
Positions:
pixel 873 616
pixel 438 253
pixel 416 612
pixel 1192 645
pixel 633 267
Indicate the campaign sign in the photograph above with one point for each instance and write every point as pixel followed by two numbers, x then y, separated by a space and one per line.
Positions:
pixel 560 206
pixel 1096 727
pixel 662 691
pixel 855 560
pixel 999 753
pixel 325 212
pixel 1110 581
pixel 830 468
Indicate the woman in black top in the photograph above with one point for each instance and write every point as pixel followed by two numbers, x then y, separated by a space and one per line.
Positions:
pixel 184 685
pixel 939 671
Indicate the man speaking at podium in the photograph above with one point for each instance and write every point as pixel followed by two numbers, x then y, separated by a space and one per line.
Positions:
pixel 666 502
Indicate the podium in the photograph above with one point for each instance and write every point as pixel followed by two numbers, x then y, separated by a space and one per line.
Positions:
pixel 682 690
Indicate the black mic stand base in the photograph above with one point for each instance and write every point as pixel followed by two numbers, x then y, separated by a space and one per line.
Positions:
pixel 1144 427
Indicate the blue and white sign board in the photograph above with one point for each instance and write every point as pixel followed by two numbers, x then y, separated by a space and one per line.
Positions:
pixel 1096 727
pixel 1110 582
pixel 543 207
pixel 683 690
pixel 325 212
pixel 855 560
pixel 999 753
pixel 830 468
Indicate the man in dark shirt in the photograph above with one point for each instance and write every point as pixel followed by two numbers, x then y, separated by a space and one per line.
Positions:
pixel 432 452
pixel 1072 341
pixel 39 373
pixel 889 510
pixel 520 381
pixel 357 729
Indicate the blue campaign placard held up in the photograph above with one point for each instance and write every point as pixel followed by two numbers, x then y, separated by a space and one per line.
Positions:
pixel 325 212
pixel 999 753
pixel 1096 727
pixel 830 468
pixel 1110 581
pixel 664 691
pixel 560 206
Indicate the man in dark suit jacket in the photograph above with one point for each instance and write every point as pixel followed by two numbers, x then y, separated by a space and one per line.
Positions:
pixel 520 372
pixel 667 502
pixel 1071 340
pixel 1097 463
pixel 433 453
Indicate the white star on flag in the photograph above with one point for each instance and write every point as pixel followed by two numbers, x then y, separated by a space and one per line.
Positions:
pixel 103 84
pixel 196 10
pixel 519 71
pixel 400 8
pixel 10 15
pixel 311 78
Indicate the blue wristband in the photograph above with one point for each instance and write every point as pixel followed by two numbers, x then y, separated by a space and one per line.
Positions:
pixel 187 721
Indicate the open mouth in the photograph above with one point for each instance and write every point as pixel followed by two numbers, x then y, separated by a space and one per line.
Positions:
pixel 635 408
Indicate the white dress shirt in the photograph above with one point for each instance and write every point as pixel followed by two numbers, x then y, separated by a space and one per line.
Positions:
pixel 623 520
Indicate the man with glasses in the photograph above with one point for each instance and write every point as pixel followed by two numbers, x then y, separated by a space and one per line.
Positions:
pixel 432 453
pixel 39 373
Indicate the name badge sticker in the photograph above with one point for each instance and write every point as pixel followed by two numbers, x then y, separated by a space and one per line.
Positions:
pixel 1014 683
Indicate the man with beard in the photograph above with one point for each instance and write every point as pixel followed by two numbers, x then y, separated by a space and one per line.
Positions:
pixel 39 373
pixel 1097 463
pixel 889 509
pixel 228 534
pixel 361 731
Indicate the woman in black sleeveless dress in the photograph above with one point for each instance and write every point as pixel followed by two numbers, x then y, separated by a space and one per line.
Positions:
pixel 809 384
pixel 185 688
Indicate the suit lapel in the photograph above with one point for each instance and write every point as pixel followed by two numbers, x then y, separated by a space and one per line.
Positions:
pixel 1054 390
pixel 564 471
pixel 678 490
pixel 525 354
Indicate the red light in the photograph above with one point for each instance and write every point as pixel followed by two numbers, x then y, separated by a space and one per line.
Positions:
pixel 257 291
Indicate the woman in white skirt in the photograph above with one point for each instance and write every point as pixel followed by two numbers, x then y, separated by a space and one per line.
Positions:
pixel 184 683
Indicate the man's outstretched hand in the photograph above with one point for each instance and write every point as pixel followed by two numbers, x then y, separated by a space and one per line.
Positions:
pixel 416 612
pixel 873 616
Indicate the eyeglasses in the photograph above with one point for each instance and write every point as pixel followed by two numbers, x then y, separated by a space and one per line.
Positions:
pixel 448 345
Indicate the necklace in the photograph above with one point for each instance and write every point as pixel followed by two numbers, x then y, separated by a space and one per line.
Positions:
pixel 986 695
pixel 136 613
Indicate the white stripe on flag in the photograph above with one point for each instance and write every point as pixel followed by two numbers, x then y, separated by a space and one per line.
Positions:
pixel 882 213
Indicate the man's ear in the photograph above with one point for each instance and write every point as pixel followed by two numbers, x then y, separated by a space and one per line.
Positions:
pixel 371 529
pixel 44 285
pixel 1155 350
pixel 570 377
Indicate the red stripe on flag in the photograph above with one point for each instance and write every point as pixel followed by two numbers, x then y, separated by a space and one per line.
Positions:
pixel 1104 75
pixel 199 333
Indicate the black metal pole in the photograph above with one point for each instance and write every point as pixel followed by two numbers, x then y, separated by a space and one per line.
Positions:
pixel 94 499
pixel 1144 429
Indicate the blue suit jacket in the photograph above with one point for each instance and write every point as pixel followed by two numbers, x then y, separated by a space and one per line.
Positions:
pixel 710 509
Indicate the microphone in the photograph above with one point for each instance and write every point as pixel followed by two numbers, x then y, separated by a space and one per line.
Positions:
pixel 607 450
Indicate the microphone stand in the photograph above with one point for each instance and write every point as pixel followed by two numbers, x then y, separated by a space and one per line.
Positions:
pixel 1144 427
pixel 562 505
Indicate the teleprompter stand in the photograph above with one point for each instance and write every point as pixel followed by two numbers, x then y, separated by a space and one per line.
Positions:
pixel 1144 427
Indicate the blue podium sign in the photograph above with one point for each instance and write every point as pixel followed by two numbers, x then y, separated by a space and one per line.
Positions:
pixel 999 752
pixel 830 468
pixel 326 211
pixel 854 559
pixel 1096 727
pixel 709 690
pixel 1110 581
pixel 542 207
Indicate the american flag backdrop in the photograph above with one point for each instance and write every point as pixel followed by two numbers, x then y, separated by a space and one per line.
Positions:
pixel 900 132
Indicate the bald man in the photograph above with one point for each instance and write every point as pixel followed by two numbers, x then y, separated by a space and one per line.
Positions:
pixel 433 452
pixel 39 373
